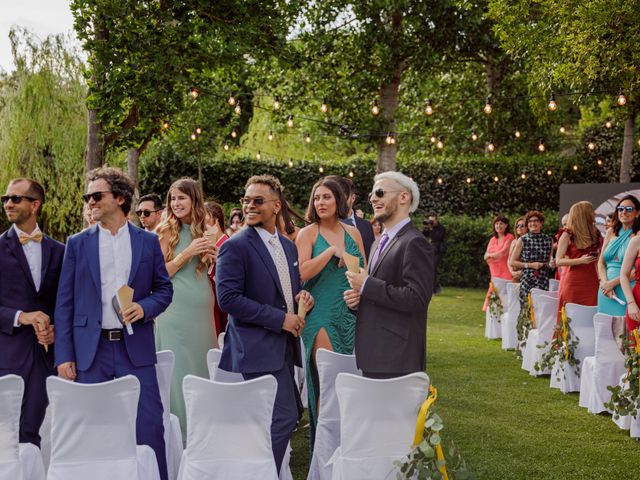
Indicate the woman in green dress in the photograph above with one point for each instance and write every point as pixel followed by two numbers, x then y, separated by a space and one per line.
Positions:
pixel 186 327
pixel 320 246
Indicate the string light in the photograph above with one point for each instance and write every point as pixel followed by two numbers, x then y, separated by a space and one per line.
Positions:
pixel 290 121
pixel 433 139
pixel 234 133
pixel 226 147
pixel 523 176
pixel 193 136
pixel 165 125
pixel 393 139
pixel 258 156
pixel 290 163
pixel 351 174
pixel 321 169
pixel 324 108
pixel 599 162
pixel 517 134
pixel 608 124
pixel 487 106
pixel 575 168
pixel 639 142
pixel 491 146
pixel 198 130
pixel 232 100
pixel 591 146
pixel 622 99
pixel 276 103
pixel 389 140
pixel 194 92
pixel 562 129
pixel 474 136
pixel 238 109
pixel 496 179
pixel 549 173
pixel 553 106
pixel 440 144
pixel 440 181
pixel 307 138
pixel 270 136
pixel 428 109
pixel 375 108
pixel 541 147
pixel 468 180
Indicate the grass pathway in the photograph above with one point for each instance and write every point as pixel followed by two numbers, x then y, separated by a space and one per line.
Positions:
pixel 506 423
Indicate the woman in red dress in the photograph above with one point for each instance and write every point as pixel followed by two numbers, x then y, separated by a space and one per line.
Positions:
pixel 215 221
pixel 578 249
pixel 632 294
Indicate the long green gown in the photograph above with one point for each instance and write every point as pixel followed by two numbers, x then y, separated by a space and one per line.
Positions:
pixel 186 327
pixel 329 312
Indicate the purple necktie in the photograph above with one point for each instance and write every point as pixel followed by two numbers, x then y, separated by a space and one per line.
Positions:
pixel 384 238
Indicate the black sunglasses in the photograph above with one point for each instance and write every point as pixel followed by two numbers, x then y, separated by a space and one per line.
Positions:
pixel 257 201
pixel 380 192
pixel 628 209
pixel 96 196
pixel 145 213
pixel 16 198
pixel 520 225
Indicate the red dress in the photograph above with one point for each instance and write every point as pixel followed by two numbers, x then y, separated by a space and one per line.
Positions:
pixel 631 323
pixel 219 317
pixel 579 283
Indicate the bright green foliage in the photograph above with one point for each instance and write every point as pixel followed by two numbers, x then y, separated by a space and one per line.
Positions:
pixel 43 132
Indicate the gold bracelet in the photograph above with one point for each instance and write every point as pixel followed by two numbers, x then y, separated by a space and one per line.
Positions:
pixel 179 260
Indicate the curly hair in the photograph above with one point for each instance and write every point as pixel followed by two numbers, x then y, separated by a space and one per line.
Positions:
pixel 171 225
pixel 119 182
pixel 269 180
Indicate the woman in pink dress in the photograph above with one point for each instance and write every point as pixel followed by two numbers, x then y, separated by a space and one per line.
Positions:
pixel 497 254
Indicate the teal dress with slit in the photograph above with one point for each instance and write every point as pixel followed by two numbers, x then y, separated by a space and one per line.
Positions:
pixel 329 312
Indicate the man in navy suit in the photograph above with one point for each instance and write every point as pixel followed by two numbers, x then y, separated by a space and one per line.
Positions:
pixel 92 344
pixel 30 264
pixel 258 285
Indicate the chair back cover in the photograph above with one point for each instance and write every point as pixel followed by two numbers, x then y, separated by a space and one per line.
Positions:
pixel 377 423
pixel 216 373
pixel 165 361
pixel 510 318
pixel 606 347
pixel 545 311
pixel 11 392
pixel 583 327
pixel 554 285
pixel 501 287
pixel 327 439
pixel 228 429
pixel 221 340
pixel 93 429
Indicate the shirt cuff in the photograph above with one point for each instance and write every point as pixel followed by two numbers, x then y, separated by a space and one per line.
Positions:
pixel 16 322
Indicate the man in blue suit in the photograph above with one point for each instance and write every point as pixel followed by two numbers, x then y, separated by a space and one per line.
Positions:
pixel 92 344
pixel 258 285
pixel 30 264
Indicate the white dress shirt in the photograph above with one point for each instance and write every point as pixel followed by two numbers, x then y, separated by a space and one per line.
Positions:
pixel 33 252
pixel 266 236
pixel 115 267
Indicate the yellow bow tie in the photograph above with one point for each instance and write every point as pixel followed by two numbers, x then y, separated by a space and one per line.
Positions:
pixel 36 237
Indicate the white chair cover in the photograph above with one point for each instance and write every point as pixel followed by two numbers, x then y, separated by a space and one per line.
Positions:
pixel 172 433
pixel 493 327
pixel 18 461
pixel 301 378
pixel 582 327
pixel 221 340
pixel 601 370
pixel 627 422
pixel 510 318
pixel 377 424
pixel 228 429
pixel 93 432
pixel 545 310
pixel 330 364
pixel 554 285
pixel 45 439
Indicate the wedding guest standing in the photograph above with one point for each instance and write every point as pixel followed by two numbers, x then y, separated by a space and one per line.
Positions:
pixel 320 247
pixel 532 254
pixel 377 228
pixel 625 226
pixel 215 220
pixel 149 211
pixel 497 253
pixel 578 249
pixel 236 222
pixel 521 229
pixel 186 327
pixel 30 263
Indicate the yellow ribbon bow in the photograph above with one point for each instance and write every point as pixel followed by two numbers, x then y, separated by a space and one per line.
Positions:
pixel 637 347
pixel 422 418
pixel 531 316
pixel 25 238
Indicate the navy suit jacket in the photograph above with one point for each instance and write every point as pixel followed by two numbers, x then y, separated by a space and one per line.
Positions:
pixel 249 290
pixel 366 232
pixel 18 292
pixel 79 304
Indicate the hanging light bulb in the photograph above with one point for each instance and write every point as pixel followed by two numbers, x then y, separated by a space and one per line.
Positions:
pixel 575 168
pixel 375 108
pixel 290 163
pixel 238 109
pixel 234 133
pixel 198 130
pixel 639 142
pixel 591 146
pixel 388 140
pixel 608 124
pixel 270 136
pixel 487 106
pixel 474 136
pixel 439 180
pixel 523 176
pixel 541 147
pixel 276 103
pixel 517 134
pixel 258 156
pixel 496 179
pixel 440 144
pixel 393 139
pixel 468 180
pixel 351 174
pixel 553 106
pixel 491 146
pixel 307 138
pixel 290 121
pixel 165 125
pixel 194 92
pixel 549 173
pixel 232 100
pixel 321 169
pixel 324 108
pixel 226 147
pixel 433 138
pixel 193 136
pixel 428 109
pixel 599 162
pixel 562 129
pixel 622 99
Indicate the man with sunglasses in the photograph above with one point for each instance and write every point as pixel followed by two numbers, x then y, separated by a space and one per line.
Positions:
pixel 149 211
pixel 30 263
pixel 392 296
pixel 92 342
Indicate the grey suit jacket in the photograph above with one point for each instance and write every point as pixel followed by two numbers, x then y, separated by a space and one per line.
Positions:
pixel 391 326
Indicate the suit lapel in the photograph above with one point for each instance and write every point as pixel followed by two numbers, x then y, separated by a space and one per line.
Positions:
pixel 389 247
pixel 46 256
pixel 136 251
pixel 257 243
pixel 16 250
pixel 93 254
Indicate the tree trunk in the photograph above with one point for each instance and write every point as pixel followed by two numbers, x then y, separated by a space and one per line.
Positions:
pixel 627 147
pixel 94 157
pixel 133 159
pixel 389 93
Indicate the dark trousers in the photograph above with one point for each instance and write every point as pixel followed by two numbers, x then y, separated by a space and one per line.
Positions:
pixel 112 361
pixel 285 409
pixel 378 375
pixel 34 372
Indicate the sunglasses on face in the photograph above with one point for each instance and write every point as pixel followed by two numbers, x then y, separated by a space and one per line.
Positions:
pixel 257 201
pixel 16 199
pixel 96 196
pixel 628 209
pixel 520 225
pixel 380 192
pixel 145 213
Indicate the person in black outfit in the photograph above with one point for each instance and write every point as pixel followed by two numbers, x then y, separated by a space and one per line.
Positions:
pixel 437 235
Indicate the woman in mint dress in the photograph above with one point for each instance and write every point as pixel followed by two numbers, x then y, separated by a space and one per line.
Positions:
pixel 320 246
pixel 615 245
pixel 186 327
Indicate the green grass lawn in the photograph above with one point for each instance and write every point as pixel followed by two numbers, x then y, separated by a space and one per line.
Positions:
pixel 506 423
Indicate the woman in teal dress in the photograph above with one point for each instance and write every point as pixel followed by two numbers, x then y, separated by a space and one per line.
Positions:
pixel 617 239
pixel 320 246
pixel 186 327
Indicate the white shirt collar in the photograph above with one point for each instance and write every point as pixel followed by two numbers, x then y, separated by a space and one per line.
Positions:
pixel 265 235
pixel 18 231
pixel 396 228
pixel 120 231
